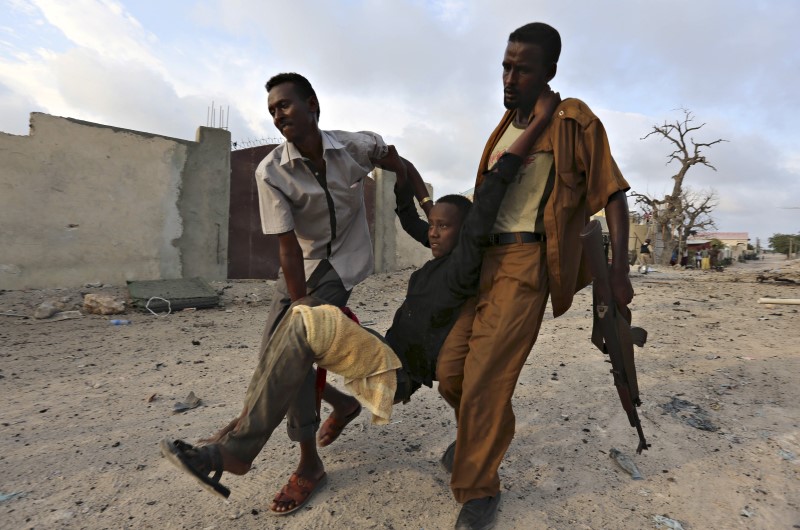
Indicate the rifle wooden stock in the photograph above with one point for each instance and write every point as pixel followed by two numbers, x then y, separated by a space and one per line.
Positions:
pixel 611 329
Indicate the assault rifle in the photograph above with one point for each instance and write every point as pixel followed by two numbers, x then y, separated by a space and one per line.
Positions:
pixel 611 330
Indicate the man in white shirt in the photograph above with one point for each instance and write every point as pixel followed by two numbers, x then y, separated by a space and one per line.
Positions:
pixel 310 192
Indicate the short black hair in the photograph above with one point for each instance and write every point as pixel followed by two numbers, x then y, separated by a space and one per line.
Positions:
pixel 542 34
pixel 459 201
pixel 303 85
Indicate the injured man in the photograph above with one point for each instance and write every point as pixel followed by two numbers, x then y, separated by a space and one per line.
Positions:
pixel 378 371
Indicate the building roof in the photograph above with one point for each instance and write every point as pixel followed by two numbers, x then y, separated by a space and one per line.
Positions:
pixel 723 235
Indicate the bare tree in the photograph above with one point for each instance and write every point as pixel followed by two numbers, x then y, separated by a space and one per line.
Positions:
pixel 670 214
pixel 697 207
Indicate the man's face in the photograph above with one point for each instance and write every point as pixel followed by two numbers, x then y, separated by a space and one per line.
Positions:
pixel 445 225
pixel 525 74
pixel 292 115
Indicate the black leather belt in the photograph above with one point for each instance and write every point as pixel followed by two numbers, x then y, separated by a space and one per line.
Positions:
pixel 514 237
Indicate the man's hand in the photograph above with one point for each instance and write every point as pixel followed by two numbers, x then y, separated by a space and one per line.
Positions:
pixel 546 104
pixel 407 173
pixel 393 162
pixel 291 259
pixel 621 285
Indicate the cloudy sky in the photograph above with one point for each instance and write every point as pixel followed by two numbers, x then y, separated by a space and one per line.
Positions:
pixel 426 75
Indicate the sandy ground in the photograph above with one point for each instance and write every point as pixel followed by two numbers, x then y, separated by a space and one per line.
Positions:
pixel 85 404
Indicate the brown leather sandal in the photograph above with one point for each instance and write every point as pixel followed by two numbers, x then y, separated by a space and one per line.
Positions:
pixel 298 490
pixel 332 428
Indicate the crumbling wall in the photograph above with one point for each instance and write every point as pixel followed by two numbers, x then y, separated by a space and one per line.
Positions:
pixel 82 202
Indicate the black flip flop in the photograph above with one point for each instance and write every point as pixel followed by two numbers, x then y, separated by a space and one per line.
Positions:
pixel 176 452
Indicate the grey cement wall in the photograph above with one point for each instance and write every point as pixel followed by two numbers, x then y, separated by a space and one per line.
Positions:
pixel 82 202
pixel 394 249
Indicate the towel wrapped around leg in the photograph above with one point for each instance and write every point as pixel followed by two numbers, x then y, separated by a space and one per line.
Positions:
pixel 367 363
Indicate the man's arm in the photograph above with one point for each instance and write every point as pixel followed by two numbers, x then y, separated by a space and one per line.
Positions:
pixel 291 258
pixel 466 258
pixel 406 170
pixel 409 216
pixel 617 217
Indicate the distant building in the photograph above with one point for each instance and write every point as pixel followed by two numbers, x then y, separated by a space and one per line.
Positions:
pixel 735 243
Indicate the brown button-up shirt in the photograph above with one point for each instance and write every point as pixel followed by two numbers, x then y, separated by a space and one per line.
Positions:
pixel 586 176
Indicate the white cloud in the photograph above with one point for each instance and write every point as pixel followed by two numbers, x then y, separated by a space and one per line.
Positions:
pixel 426 75
pixel 103 27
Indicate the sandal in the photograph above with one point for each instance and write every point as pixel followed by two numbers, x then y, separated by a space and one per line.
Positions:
pixel 332 428
pixel 298 490
pixel 199 462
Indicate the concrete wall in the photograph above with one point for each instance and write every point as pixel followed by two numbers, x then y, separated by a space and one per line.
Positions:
pixel 82 202
pixel 394 249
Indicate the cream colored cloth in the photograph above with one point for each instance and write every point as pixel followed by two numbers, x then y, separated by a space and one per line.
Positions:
pixel 367 364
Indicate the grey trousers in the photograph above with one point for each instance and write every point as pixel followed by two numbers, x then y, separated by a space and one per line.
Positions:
pixel 324 284
pixel 277 385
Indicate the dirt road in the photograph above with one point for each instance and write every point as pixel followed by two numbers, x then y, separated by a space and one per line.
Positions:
pixel 85 404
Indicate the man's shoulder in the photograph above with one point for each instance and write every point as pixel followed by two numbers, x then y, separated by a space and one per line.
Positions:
pixel 348 138
pixel 577 110
pixel 273 158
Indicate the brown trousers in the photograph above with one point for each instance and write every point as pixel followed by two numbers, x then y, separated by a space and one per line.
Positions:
pixel 481 360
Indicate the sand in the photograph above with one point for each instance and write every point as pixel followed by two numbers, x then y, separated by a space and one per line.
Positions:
pixel 85 404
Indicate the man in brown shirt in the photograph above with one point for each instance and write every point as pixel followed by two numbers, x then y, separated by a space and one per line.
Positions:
pixel 534 253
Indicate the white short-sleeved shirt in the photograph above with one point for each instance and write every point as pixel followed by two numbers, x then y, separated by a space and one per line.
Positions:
pixel 290 198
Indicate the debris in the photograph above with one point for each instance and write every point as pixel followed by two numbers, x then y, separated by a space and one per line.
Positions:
pixel 48 309
pixel 697 418
pixel 191 402
pixel 666 521
pixel 783 301
pixel 13 314
pixel 163 295
pixel 8 496
pixel 775 277
pixel 747 512
pixel 626 463
pixel 150 301
pixel 101 304
pixel 119 322
pixel 787 455
pixel 152 397
pixel 63 315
